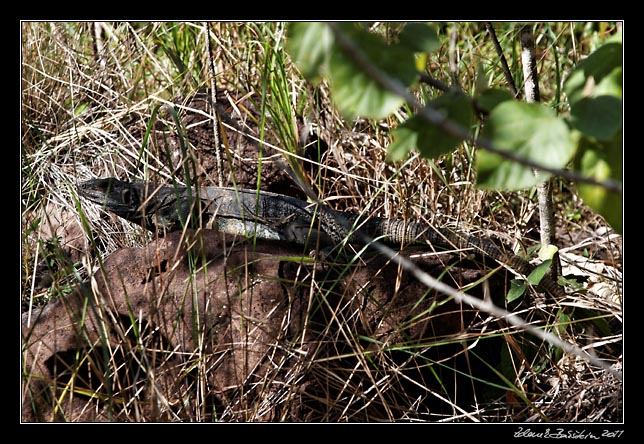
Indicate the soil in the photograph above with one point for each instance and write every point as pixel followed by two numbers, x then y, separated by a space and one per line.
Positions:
pixel 238 330
pixel 239 316
pixel 243 161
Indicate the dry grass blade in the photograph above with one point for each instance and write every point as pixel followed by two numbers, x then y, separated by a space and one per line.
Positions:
pixel 120 324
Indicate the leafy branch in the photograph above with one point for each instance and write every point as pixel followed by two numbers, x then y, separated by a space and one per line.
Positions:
pixel 488 307
pixel 372 79
pixel 544 194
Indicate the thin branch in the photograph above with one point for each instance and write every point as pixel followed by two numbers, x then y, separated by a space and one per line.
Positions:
pixel 437 118
pixel 453 64
pixel 426 78
pixel 544 195
pixel 486 306
pixel 529 62
pixel 504 62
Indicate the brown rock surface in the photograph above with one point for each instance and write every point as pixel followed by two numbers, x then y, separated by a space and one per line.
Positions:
pixel 236 329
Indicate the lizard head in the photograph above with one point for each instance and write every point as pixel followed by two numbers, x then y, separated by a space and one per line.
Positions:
pixel 116 196
pixel 141 203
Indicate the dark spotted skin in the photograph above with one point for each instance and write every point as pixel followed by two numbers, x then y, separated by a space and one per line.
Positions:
pixel 278 217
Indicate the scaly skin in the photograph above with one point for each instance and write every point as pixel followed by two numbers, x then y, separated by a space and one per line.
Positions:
pixel 278 217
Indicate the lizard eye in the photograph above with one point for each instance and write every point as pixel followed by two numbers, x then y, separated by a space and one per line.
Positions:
pixel 127 196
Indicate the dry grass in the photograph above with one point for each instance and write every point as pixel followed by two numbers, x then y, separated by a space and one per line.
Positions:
pixel 88 94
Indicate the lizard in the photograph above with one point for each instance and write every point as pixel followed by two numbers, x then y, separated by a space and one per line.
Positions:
pixel 272 216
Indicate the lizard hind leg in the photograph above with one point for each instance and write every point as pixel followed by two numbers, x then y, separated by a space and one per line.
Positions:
pixel 302 232
pixel 319 243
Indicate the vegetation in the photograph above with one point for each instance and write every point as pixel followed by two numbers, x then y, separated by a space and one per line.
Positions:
pixel 429 140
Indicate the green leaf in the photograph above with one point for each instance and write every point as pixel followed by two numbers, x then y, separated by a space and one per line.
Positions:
pixel 80 109
pixel 598 319
pixel 517 289
pixel 357 94
pixel 539 272
pixel 309 45
pixel 312 47
pixel 528 130
pixel 492 97
pixel 594 91
pixel 547 252
pixel 403 141
pixel 421 37
pixel 610 85
pixel 431 140
pixel 601 160
pixel 592 70
pixel 563 322
pixel 599 117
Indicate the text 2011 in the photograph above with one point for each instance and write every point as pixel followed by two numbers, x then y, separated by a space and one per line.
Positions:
pixel 612 433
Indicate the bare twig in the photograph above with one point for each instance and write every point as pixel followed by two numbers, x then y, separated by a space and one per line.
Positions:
pixel 426 78
pixel 453 63
pixel 439 119
pixel 544 195
pixel 528 60
pixel 487 306
pixel 502 59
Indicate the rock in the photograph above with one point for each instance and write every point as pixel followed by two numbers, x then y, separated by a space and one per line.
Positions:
pixel 197 326
pixel 62 241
